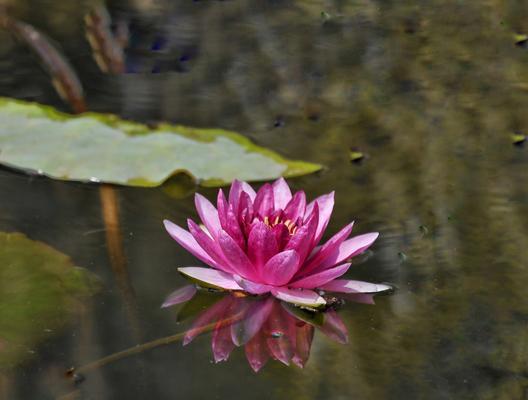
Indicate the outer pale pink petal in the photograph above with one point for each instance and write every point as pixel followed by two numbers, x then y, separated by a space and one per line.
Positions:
pixel 210 315
pixel 318 279
pixel 257 351
pixel 296 208
pixel 252 287
pixel 234 255
pixel 209 245
pixel 281 193
pixel 264 203
pixel 348 249
pixel 236 189
pixel 208 214
pixel 211 277
pixel 280 268
pixel 307 298
pixel 187 241
pixel 326 206
pixel 327 249
pixel 334 328
pixel 180 295
pixel 262 244
pixel 301 241
pixel 254 318
pixel 350 286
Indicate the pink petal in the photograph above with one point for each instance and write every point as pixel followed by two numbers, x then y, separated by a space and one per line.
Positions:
pixel 209 245
pixel 234 255
pixel 262 244
pixel 282 235
pixel 208 214
pixel 307 298
pixel 210 315
pixel 280 268
pixel 334 328
pixel 281 194
pixel 180 295
pixel 246 212
pixel 222 205
pixel 187 241
pixel 320 278
pixel 257 351
pixel 326 206
pixel 296 207
pixel 348 249
pixel 255 317
pixel 301 241
pixel 211 277
pixel 264 203
pixel 236 189
pixel 252 287
pixel 350 286
pixel 303 344
pixel 326 250
pixel 232 227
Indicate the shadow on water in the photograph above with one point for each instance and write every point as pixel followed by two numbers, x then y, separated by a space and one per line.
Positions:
pixel 430 93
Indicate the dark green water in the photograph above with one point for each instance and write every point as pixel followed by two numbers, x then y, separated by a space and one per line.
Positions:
pixel 430 91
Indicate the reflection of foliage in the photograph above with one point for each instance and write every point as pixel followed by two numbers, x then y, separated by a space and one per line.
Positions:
pixel 39 289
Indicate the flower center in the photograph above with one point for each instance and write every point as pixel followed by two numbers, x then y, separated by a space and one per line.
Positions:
pixel 292 226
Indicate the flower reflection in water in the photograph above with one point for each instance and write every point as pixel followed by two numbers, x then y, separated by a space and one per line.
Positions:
pixel 265 326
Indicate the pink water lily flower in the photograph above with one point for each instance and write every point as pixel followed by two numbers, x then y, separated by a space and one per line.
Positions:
pixel 268 242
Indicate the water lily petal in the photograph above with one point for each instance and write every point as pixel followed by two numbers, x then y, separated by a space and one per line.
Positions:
pixel 348 249
pixel 187 241
pixel 296 207
pixel 282 235
pixel 234 255
pixel 262 244
pixel 305 297
pixel 326 206
pixel 252 287
pixel 301 241
pixel 280 268
pixel 222 206
pixel 327 249
pixel 303 344
pixel 254 318
pixel 211 277
pixel 320 278
pixel 236 189
pixel 350 286
pixel 264 203
pixel 208 214
pixel 246 212
pixel 334 328
pixel 232 227
pixel 281 193
pixel 257 352
pixel 209 245
pixel 180 295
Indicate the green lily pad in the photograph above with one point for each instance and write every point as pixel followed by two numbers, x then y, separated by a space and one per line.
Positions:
pixel 104 148
pixel 40 289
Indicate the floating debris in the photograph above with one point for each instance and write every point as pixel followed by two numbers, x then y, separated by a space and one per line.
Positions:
pixel 356 156
pixel 518 139
pixel 521 40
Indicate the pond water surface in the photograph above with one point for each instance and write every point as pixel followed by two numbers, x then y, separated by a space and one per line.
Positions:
pixel 429 91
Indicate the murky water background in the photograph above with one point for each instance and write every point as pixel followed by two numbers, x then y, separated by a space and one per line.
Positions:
pixel 429 91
